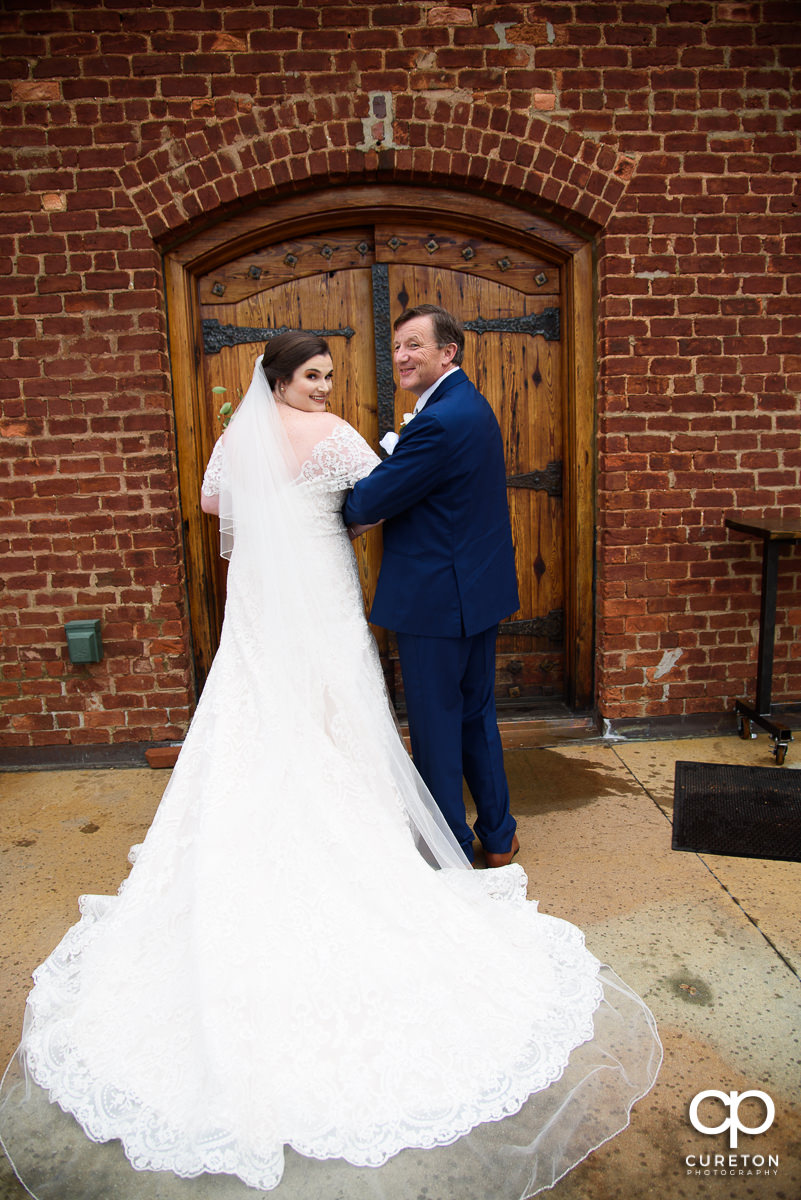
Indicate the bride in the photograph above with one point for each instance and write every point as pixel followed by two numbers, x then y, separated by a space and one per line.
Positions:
pixel 302 985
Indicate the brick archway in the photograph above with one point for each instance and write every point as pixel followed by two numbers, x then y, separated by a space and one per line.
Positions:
pixel 231 154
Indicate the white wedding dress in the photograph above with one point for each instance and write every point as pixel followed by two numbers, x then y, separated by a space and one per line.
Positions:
pixel 302 985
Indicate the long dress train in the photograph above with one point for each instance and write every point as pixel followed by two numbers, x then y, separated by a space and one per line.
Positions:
pixel 302 985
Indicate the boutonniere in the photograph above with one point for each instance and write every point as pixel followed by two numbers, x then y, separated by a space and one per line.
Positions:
pixel 405 419
pixel 390 440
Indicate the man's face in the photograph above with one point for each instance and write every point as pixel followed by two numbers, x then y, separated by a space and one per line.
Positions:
pixel 420 361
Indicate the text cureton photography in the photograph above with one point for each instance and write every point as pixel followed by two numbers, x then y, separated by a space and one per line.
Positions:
pixel 705 1114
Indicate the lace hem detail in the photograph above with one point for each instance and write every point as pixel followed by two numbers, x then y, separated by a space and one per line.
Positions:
pixel 153 1141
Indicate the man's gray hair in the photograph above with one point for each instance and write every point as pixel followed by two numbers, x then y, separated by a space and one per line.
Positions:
pixel 447 328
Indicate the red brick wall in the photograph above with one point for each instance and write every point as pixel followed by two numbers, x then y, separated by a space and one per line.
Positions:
pixel 668 130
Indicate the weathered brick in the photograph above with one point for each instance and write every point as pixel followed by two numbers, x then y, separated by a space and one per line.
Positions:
pixel 443 15
pixel 698 272
pixel 25 91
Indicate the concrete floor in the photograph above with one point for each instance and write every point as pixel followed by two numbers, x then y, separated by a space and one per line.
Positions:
pixel 712 943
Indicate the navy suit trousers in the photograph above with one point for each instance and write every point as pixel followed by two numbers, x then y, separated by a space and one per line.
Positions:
pixel 450 697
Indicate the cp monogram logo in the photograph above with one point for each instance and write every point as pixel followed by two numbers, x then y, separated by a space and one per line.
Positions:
pixel 732 1101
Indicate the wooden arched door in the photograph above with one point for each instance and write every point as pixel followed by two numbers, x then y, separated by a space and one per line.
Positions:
pixel 349 279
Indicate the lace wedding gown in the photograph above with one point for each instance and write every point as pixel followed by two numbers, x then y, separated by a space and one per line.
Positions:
pixel 292 989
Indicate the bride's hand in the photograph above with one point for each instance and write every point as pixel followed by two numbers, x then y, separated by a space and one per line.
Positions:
pixel 355 531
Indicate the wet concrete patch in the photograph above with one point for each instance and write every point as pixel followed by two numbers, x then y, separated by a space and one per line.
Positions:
pixel 693 990
pixel 543 781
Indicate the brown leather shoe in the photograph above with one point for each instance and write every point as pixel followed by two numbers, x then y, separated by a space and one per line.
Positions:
pixel 503 860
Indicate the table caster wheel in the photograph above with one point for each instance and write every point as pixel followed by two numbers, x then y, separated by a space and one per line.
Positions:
pixel 745 729
pixel 780 750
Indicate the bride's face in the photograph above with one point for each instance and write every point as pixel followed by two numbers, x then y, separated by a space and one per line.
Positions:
pixel 310 386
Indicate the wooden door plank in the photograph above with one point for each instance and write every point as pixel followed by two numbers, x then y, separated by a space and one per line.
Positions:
pixel 434 246
pixel 281 262
pixel 580 478
pixel 191 449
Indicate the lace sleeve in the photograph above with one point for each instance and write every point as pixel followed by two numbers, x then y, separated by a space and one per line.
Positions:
pixel 344 457
pixel 212 480
pixel 360 456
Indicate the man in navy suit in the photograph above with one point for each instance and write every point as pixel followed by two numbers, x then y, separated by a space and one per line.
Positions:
pixel 447 575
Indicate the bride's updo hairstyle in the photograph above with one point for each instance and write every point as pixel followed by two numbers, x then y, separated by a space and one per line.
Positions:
pixel 284 353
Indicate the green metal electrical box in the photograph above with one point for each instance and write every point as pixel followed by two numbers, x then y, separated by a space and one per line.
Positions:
pixel 84 642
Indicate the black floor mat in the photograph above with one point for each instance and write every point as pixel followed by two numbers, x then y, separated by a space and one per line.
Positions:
pixel 745 812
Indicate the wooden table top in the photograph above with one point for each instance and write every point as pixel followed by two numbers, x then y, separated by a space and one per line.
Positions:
pixel 771 529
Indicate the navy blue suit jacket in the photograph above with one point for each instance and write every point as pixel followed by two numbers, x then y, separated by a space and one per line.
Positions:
pixel 448 568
